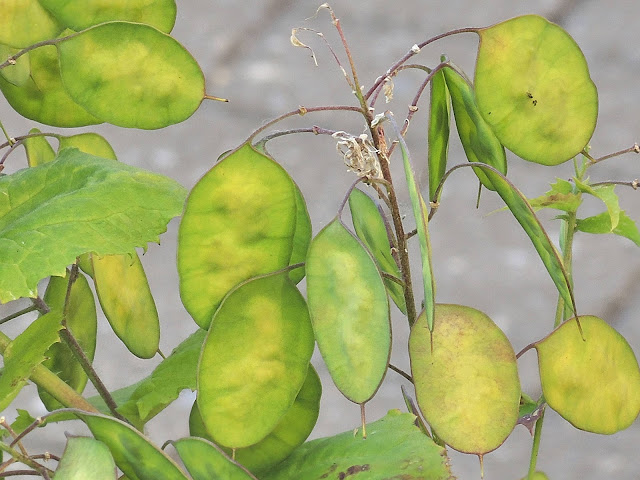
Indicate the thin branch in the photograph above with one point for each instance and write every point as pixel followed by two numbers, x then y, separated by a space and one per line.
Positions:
pixel 29 135
pixel 374 98
pixel 12 432
pixel 303 111
pixel 10 151
pixel 315 130
pixel 413 51
pixel 401 372
pixel 633 184
pixel 635 148
pixel 12 59
pixel 18 314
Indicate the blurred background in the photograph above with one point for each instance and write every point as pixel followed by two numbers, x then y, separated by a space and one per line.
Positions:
pixel 481 260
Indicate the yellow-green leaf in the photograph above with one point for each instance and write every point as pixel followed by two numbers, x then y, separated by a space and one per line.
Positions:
pixel 349 310
pixel 80 15
pixel 467 382
pixel 239 221
pixel 131 75
pixel 254 360
pixel 127 302
pixel 25 22
pixel 533 87
pixel 593 383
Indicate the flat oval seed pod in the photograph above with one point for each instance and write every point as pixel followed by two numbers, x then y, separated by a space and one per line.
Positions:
pixel 128 446
pixel 127 302
pixel 18 73
pixel 25 22
pixel 533 87
pixel 206 461
pixel 467 387
pixel 86 457
pixel 294 428
pixel 254 360
pixel 478 140
pixel 110 68
pixel 301 237
pixel 239 221
pixel 82 322
pixel 90 143
pixel 438 133
pixel 371 229
pixel 349 311
pixel 593 383
pixel 39 150
pixel 42 97
pixel 80 15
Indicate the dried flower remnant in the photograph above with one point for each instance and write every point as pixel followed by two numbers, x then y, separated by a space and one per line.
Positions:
pixel 359 154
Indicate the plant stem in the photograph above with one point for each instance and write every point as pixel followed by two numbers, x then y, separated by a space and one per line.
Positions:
pixel 25 459
pixel 536 447
pixel 18 314
pixel 566 245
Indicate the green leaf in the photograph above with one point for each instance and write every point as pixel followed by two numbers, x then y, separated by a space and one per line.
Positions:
pixel 24 22
pixel 206 461
pixel 239 221
pixel 254 360
pixel 301 237
pixel 394 448
pixel 22 421
pixel 370 228
pixel 602 224
pixel 25 353
pixel 131 75
pixel 85 457
pixel 82 321
pixel 466 380
pixel 594 383
pixel 90 142
pixel 422 227
pixel 608 196
pixel 438 133
pixel 42 97
pixel 78 203
pixel 127 302
pixel 129 447
pixel 561 197
pixel 526 217
pixel 290 433
pixel 533 88
pixel 80 15
pixel 39 150
pixel 148 397
pixel 478 139
pixel 18 73
pixel 349 311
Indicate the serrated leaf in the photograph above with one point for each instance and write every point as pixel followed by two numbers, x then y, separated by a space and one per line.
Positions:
pixel 254 360
pixel 602 224
pixel 110 70
pixel 608 196
pixel 533 87
pixel 82 322
pixel 560 197
pixel 349 311
pixel 80 15
pixel 593 382
pixel 128 447
pixel 86 458
pixel 76 204
pixel 174 374
pixel 239 221
pixel 25 353
pixel 394 448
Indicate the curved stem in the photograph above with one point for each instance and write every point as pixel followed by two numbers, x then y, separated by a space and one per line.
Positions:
pixel 635 148
pixel 401 372
pixel 315 130
pixel 18 314
pixel 413 51
pixel 302 111
pixel 535 447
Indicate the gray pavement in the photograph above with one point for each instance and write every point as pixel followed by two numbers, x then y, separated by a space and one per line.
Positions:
pixel 481 260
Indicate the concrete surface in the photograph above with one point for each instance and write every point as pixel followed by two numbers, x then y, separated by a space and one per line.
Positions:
pixel 483 261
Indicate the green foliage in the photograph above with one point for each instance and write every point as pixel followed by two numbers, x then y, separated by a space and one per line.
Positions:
pixel 245 242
